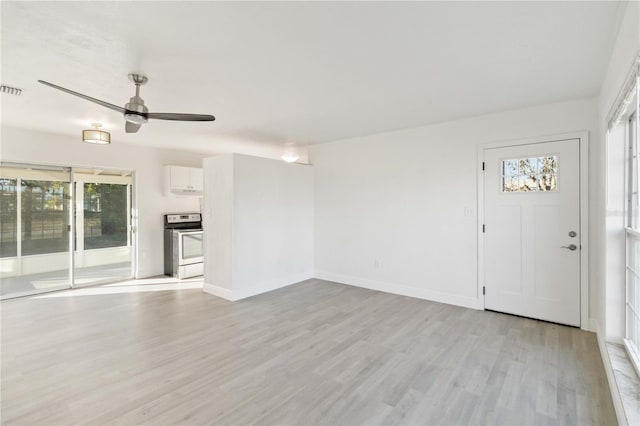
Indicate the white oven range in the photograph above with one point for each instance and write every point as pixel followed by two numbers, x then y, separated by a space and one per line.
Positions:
pixel 183 247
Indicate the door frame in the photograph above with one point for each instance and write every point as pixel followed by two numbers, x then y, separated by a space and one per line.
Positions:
pixel 583 138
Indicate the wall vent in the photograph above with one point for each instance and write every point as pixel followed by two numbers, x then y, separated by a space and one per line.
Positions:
pixel 10 90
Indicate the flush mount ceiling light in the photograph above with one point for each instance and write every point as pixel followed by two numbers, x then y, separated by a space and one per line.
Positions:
pixel 96 135
pixel 290 154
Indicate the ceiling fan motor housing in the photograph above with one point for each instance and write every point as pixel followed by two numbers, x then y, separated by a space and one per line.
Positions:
pixel 135 110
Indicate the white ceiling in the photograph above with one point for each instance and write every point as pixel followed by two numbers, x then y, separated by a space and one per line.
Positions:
pixel 296 72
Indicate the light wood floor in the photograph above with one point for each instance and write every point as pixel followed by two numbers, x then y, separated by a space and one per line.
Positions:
pixel 312 353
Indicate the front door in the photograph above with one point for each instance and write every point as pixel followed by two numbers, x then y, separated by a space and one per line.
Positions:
pixel 532 230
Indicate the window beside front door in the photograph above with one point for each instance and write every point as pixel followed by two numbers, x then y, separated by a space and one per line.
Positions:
pixel 632 293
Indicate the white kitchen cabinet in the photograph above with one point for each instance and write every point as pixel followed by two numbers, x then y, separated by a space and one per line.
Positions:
pixel 197 179
pixel 184 181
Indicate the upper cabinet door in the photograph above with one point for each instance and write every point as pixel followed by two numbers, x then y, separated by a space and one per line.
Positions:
pixel 197 179
pixel 180 177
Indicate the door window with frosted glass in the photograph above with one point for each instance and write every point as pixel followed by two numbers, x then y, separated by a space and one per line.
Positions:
pixel 535 174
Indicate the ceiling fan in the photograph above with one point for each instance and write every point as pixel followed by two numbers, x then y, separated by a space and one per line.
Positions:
pixel 135 112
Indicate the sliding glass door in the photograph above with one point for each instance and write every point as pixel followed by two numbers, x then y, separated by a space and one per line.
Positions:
pixel 62 227
pixel 103 200
pixel 35 232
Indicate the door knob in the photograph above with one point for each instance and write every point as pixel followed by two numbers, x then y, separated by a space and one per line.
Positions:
pixel 571 247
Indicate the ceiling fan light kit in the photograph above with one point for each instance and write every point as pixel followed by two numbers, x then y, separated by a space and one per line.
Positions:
pixel 96 136
pixel 135 112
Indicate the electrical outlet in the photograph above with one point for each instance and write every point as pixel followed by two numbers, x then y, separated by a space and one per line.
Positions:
pixel 469 212
pixel 376 263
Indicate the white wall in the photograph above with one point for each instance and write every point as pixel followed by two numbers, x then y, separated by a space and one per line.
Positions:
pixel 19 145
pixel 390 208
pixel 609 294
pixel 218 225
pixel 262 219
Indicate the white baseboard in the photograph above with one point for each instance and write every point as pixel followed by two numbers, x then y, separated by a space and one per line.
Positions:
pixel 403 290
pixel 218 291
pixel 267 286
pixel 254 290
pixel 611 379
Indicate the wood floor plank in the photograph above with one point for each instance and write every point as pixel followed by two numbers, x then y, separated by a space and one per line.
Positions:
pixel 315 353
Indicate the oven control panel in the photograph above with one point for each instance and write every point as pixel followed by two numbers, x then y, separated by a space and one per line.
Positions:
pixel 181 218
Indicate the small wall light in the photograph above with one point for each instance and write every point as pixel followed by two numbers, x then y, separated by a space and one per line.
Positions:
pixel 290 154
pixel 96 135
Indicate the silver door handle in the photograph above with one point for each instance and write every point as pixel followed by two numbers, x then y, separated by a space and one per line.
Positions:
pixel 571 247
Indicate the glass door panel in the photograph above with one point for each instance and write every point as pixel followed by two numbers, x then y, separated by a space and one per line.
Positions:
pixel 35 214
pixel 103 249
pixel 192 248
